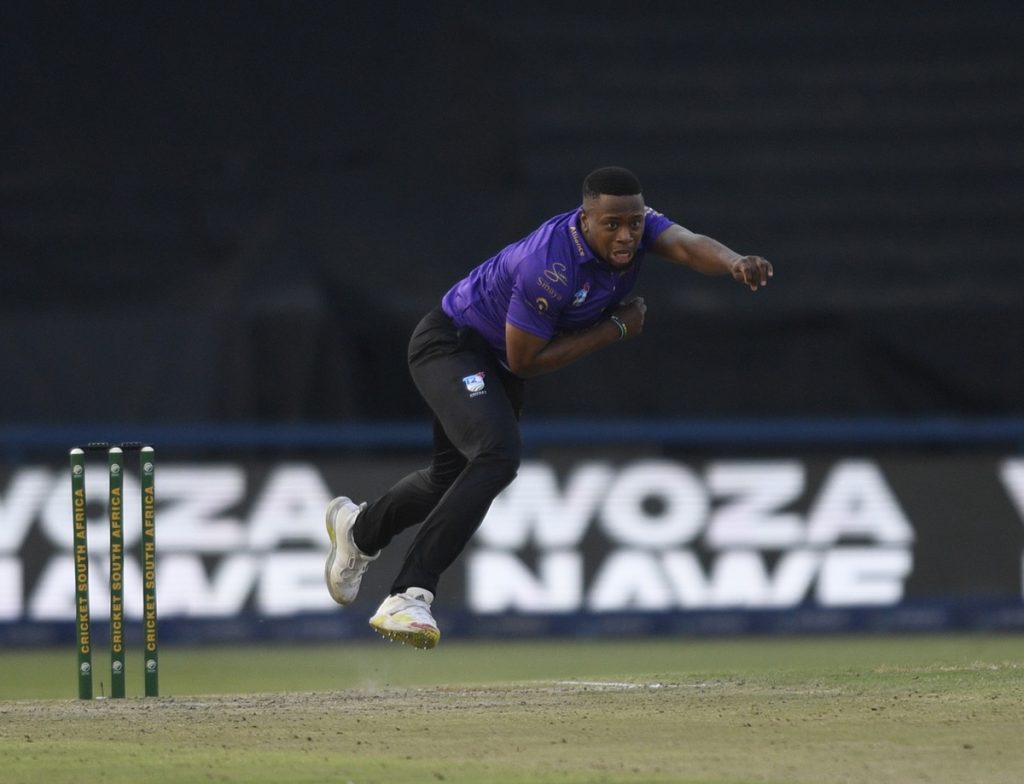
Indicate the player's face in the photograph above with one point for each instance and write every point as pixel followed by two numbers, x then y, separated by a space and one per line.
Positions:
pixel 613 226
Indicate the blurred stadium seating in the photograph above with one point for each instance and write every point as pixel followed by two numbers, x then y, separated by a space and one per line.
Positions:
pixel 218 214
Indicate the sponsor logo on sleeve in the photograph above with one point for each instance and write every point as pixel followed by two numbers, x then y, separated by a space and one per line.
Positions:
pixel 552 280
pixel 556 273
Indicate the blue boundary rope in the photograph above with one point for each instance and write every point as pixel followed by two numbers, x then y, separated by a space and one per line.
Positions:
pixel 1002 433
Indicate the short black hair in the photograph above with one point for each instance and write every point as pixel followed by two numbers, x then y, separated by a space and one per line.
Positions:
pixel 613 180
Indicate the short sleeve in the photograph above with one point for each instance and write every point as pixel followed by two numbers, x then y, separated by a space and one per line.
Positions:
pixel 654 224
pixel 538 296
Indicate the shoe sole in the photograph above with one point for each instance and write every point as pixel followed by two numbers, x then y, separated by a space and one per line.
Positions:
pixel 424 639
pixel 329 522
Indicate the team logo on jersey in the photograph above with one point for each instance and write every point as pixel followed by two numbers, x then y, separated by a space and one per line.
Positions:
pixel 541 303
pixel 581 296
pixel 475 384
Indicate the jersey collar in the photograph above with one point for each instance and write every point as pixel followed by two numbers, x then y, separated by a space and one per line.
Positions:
pixel 580 246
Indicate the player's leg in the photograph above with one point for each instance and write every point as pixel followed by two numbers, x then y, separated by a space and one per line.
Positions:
pixel 477 403
pixel 486 431
pixel 358 532
pixel 411 499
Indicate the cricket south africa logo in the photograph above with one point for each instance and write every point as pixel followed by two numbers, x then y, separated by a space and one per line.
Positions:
pixel 581 296
pixel 475 384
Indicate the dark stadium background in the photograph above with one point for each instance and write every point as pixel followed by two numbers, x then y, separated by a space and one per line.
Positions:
pixel 236 212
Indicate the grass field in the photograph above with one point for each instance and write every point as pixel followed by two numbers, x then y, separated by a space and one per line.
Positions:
pixel 836 709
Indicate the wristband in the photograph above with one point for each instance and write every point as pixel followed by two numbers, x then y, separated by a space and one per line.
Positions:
pixel 621 325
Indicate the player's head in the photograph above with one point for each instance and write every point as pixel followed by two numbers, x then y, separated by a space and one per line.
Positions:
pixel 612 180
pixel 612 219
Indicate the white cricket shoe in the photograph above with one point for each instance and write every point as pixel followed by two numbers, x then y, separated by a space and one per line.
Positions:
pixel 346 563
pixel 406 617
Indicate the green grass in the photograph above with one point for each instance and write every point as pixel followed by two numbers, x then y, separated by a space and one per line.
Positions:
pixel 49 673
pixel 873 709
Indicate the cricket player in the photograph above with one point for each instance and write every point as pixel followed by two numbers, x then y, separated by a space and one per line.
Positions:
pixel 544 302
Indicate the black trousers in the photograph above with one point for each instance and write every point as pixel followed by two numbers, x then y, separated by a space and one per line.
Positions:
pixel 476 453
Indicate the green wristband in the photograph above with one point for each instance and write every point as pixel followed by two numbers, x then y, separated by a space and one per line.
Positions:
pixel 621 325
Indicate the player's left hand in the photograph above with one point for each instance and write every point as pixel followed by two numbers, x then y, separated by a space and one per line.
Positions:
pixel 752 271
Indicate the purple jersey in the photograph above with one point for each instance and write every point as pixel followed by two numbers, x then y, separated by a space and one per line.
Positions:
pixel 546 283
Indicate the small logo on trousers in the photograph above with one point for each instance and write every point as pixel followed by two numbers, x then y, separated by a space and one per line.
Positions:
pixel 475 384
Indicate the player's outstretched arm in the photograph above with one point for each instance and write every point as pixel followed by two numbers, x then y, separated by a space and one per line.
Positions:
pixel 710 257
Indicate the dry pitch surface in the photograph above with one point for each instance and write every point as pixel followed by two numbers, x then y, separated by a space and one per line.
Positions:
pixel 937 722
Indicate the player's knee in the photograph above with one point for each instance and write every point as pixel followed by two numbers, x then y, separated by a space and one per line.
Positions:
pixel 441 476
pixel 508 468
pixel 502 462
